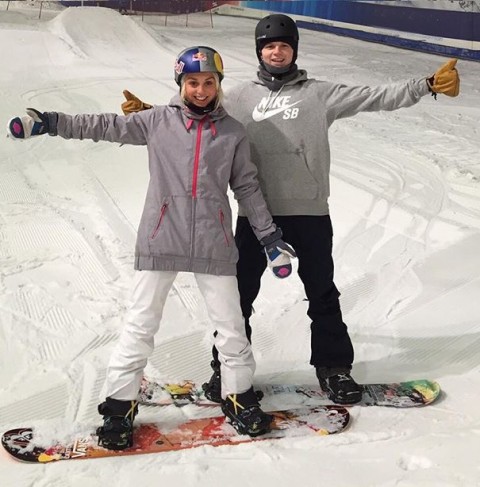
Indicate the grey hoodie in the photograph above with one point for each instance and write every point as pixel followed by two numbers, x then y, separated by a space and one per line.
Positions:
pixel 186 223
pixel 288 133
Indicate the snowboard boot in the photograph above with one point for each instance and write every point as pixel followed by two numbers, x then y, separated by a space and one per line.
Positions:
pixel 213 388
pixel 117 430
pixel 245 414
pixel 339 385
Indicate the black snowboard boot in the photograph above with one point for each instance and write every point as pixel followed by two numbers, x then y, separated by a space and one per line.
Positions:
pixel 213 388
pixel 339 385
pixel 117 430
pixel 245 414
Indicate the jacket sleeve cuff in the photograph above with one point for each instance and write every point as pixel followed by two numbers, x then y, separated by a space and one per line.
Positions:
pixel 422 86
pixel 52 123
pixel 276 235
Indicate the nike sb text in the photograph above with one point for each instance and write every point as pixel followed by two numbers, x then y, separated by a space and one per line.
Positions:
pixel 268 108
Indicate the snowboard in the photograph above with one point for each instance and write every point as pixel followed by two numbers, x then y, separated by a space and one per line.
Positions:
pixel 154 438
pixel 400 394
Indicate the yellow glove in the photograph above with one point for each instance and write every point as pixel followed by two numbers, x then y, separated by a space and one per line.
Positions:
pixel 133 104
pixel 445 80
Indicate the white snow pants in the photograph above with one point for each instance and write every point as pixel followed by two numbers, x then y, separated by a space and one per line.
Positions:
pixel 150 290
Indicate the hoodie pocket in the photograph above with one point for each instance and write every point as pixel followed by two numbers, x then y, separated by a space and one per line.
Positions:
pixel 288 176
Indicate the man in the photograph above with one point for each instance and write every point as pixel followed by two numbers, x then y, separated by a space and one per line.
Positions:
pixel 287 116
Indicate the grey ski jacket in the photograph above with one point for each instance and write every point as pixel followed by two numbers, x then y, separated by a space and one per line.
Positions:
pixel 288 133
pixel 186 223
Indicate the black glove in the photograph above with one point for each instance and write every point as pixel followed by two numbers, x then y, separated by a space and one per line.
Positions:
pixel 278 254
pixel 32 124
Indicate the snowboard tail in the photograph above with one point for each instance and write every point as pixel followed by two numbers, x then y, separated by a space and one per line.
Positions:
pixel 400 394
pixel 153 438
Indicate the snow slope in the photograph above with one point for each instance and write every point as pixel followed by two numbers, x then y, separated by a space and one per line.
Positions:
pixel 406 212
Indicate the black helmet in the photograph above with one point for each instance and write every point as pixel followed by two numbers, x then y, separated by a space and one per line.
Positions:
pixel 276 27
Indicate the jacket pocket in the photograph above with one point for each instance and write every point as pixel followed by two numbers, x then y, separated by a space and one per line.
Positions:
pixel 168 228
pixel 221 216
pixel 213 239
pixel 163 210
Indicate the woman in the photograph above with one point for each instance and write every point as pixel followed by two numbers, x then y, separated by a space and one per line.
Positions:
pixel 196 150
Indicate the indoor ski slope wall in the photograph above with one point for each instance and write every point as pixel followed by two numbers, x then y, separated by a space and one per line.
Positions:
pixel 446 27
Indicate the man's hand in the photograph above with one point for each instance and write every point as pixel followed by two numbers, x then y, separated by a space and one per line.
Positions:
pixel 445 80
pixel 133 104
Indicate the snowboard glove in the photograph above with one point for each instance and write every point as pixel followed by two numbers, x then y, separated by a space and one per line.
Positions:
pixel 133 104
pixel 278 254
pixel 446 80
pixel 32 124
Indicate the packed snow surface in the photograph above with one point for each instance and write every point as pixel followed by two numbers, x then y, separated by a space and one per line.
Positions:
pixel 406 212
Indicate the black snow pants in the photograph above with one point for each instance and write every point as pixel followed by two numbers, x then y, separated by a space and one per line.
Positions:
pixel 311 237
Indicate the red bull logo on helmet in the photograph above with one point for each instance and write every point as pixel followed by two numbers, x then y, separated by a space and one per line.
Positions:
pixel 200 56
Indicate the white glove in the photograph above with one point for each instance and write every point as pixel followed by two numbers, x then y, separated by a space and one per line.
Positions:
pixel 32 124
pixel 278 254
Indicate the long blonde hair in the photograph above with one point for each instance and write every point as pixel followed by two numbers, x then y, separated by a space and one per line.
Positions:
pixel 218 86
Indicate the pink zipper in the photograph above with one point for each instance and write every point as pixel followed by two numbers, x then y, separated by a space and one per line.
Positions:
pixel 162 214
pixel 197 157
pixel 222 220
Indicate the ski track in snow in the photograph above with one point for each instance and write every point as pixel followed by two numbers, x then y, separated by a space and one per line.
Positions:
pixel 406 213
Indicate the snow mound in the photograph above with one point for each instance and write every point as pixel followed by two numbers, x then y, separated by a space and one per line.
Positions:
pixel 103 35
